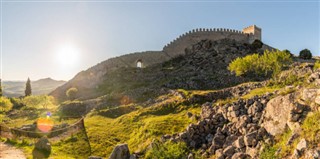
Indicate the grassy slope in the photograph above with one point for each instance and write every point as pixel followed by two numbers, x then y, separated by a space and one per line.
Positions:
pixel 137 128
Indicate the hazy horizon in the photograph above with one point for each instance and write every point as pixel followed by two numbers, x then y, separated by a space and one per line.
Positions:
pixel 60 39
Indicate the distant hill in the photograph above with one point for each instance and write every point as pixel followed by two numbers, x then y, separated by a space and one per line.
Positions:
pixel 42 86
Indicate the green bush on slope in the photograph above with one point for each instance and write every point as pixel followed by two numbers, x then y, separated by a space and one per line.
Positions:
pixel 316 65
pixel 270 63
pixel 5 104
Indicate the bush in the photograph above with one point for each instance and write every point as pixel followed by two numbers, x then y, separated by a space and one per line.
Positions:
pixel 270 63
pixel 305 54
pixel 71 93
pixel 287 51
pixel 5 104
pixel 168 150
pixel 257 44
pixel 316 65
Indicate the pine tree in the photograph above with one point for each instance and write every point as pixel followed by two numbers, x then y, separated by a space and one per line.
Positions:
pixel 0 89
pixel 28 88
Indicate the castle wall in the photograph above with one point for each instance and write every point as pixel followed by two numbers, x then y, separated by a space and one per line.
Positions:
pixel 177 46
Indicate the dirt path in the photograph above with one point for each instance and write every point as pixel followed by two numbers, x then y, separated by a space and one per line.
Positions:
pixel 10 152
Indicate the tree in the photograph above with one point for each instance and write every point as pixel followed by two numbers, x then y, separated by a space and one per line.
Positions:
pixel 0 89
pixel 28 88
pixel 71 93
pixel 257 44
pixel 305 54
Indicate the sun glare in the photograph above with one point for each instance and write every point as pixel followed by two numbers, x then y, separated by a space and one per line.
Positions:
pixel 68 56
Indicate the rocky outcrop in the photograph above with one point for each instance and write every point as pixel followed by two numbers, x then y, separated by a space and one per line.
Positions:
pixel 229 131
pixel 288 111
pixel 120 152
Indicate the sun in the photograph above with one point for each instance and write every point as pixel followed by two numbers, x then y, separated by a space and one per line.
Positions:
pixel 68 55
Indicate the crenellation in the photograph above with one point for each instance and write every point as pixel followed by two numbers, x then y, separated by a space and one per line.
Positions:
pixel 177 46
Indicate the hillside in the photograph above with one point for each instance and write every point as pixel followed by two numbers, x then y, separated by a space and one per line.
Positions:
pixel 270 119
pixel 153 117
pixel 203 66
pixel 39 87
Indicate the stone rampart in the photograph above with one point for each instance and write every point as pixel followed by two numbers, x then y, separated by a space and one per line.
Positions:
pixel 177 46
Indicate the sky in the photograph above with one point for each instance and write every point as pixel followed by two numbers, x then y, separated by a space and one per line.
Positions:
pixel 58 39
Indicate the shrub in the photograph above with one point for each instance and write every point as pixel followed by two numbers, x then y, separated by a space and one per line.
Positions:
pixel 71 93
pixel 168 150
pixel 257 44
pixel 288 51
pixel 245 65
pixel 316 65
pixel 5 104
pixel 305 54
pixel 270 63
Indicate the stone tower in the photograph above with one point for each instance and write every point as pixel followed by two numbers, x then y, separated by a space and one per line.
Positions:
pixel 254 33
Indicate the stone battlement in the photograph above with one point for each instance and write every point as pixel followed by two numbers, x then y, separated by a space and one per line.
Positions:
pixel 178 45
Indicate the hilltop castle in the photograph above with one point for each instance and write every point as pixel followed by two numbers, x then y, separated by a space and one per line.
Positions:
pixel 177 46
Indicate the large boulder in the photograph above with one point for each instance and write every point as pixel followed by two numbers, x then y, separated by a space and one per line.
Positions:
pixel 284 112
pixel 276 114
pixel 120 152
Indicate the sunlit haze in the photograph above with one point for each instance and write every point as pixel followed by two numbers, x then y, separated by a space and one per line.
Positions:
pixel 60 39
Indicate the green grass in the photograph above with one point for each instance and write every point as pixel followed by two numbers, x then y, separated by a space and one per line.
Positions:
pixel 281 140
pixel 311 128
pixel 259 91
pixel 168 150
pixel 76 146
pixel 137 128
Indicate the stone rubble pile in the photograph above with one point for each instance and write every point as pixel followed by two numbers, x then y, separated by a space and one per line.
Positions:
pixel 230 131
